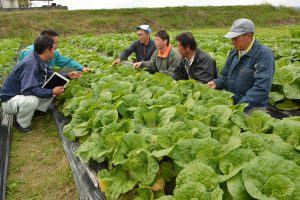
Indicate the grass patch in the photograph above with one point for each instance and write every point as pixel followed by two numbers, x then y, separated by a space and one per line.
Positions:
pixel 38 166
pixel 28 24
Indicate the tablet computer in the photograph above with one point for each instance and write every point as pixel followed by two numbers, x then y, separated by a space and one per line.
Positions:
pixel 56 80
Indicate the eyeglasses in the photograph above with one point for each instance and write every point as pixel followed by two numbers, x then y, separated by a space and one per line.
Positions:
pixel 238 37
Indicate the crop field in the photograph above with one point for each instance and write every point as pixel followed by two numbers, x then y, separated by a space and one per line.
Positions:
pixel 165 139
pixel 284 43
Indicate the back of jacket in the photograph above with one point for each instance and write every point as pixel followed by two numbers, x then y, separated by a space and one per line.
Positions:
pixel 27 78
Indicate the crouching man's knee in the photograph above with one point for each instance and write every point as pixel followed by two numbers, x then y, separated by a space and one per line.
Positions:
pixel 20 102
pixel 27 105
pixel 29 102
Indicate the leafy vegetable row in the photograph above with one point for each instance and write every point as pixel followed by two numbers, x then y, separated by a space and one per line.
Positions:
pixel 8 56
pixel 286 85
pixel 152 130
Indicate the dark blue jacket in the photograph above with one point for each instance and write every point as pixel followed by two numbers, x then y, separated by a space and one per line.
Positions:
pixel 27 78
pixel 143 53
pixel 250 77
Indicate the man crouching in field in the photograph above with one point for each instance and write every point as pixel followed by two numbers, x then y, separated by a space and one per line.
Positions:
pixel 195 64
pixel 249 69
pixel 165 59
pixel 22 92
pixel 143 48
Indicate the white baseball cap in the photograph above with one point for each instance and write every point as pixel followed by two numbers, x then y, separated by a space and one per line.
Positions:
pixel 144 27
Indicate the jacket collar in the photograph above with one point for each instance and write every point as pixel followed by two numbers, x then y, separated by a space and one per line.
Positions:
pixel 42 63
pixel 252 51
pixel 165 54
pixel 149 43
pixel 192 58
pixel 197 55
pixel 241 53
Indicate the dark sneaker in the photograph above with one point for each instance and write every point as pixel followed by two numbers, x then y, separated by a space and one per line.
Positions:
pixel 38 114
pixel 23 130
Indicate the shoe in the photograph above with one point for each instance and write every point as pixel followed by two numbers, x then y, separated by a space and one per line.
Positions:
pixel 21 129
pixel 38 114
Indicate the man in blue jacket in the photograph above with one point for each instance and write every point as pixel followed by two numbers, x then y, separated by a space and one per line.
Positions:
pixel 22 92
pixel 143 48
pixel 58 60
pixel 249 69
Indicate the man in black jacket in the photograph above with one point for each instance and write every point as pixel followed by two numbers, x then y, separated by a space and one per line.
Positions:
pixel 195 64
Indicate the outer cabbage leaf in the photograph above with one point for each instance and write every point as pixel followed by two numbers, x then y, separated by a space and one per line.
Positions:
pixel 271 177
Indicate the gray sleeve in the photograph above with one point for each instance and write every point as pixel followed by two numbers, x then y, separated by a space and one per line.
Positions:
pixel 150 65
pixel 174 62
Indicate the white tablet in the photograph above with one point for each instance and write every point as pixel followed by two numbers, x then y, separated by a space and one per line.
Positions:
pixel 56 80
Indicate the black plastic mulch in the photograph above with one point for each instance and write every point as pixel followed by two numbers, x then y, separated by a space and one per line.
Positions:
pixel 5 141
pixel 85 175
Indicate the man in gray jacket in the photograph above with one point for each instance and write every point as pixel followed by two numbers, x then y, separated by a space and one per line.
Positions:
pixel 249 69
pixel 165 59
pixel 195 64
